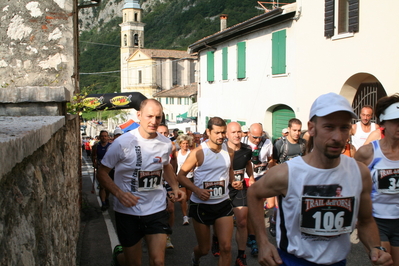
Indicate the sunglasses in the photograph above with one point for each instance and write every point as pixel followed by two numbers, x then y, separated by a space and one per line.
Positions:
pixel 256 137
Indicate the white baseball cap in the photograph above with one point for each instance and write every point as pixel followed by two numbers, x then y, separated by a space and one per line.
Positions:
pixel 330 103
pixel 244 128
pixel 392 112
pixel 284 131
pixel 118 131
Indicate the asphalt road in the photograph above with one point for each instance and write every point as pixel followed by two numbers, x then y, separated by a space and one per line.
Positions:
pixel 97 236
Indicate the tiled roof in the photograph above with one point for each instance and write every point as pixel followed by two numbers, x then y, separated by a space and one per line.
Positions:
pixel 179 91
pixel 161 53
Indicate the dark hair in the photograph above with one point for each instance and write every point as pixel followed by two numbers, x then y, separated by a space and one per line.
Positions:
pixel 102 131
pixel 294 121
pixel 163 125
pixel 383 104
pixel 215 121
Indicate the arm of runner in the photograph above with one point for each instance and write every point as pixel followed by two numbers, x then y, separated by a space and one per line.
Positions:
pixel 273 183
pixel 375 135
pixel 94 155
pixel 366 226
pixel 173 158
pixel 126 198
pixel 195 158
pixel 171 178
pixel 235 184
pixel 250 172
pixel 365 154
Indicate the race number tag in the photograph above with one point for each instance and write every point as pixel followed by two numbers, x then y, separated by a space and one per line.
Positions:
pixel 326 216
pixel 259 168
pixel 150 180
pixel 388 181
pixel 239 175
pixel 217 187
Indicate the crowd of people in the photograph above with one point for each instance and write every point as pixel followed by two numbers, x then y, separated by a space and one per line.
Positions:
pixel 321 184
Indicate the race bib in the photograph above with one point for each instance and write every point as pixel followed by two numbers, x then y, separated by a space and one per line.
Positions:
pixel 388 181
pixel 217 187
pixel 326 216
pixel 259 168
pixel 239 175
pixel 150 180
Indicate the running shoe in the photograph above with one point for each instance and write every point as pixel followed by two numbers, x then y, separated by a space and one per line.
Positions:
pixel 193 262
pixel 215 247
pixel 169 244
pixel 185 220
pixel 117 250
pixel 241 261
pixel 254 248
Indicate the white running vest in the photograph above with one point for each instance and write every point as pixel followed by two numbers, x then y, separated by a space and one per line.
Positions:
pixel 314 223
pixel 180 160
pixel 213 174
pixel 360 137
pixel 385 192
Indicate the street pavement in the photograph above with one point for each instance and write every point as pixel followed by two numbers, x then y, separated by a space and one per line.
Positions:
pixel 98 237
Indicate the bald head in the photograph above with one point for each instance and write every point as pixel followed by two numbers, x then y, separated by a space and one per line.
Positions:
pixel 234 133
pixel 255 133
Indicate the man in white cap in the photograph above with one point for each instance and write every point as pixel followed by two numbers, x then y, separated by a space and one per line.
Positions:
pixel 117 132
pixel 382 158
pixel 313 225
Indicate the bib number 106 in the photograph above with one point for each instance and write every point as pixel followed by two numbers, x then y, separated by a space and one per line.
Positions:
pixel 328 221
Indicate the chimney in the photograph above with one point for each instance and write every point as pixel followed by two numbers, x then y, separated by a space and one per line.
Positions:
pixel 223 22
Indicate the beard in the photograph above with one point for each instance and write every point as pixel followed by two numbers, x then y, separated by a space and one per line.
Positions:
pixel 328 154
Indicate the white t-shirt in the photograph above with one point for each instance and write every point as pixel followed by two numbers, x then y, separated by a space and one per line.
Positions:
pixel 138 166
pixel 360 137
pixel 180 160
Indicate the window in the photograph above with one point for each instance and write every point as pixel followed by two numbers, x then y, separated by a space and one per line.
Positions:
pixel 210 66
pixel 278 52
pixel 179 101
pixel 172 100
pixel 340 16
pixel 136 39
pixel 224 64
pixel 241 46
pixel 140 77
pixel 135 16
pixel 167 100
pixel 125 40
pixel 171 117
pixel 186 101
pixel 167 116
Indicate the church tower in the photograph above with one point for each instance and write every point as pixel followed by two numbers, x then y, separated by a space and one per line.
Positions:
pixel 132 35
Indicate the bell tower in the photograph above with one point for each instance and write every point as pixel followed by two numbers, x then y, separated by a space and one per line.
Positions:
pixel 132 35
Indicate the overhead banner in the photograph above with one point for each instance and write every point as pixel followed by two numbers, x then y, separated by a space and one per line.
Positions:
pixel 114 101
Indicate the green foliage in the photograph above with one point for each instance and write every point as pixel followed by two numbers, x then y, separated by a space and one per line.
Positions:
pixel 96 58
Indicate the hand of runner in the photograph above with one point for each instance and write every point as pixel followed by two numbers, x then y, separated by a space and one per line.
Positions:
pixel 203 194
pixel 127 199
pixel 178 195
pixel 268 255
pixel 379 257
pixel 237 185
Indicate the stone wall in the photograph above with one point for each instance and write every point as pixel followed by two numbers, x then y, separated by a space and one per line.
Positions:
pixel 38 44
pixel 40 203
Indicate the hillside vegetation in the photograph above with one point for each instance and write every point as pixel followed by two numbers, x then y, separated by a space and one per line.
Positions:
pixel 170 24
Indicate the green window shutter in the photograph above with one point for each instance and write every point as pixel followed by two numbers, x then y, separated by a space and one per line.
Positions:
pixel 225 63
pixel 206 121
pixel 227 121
pixel 211 66
pixel 242 123
pixel 278 52
pixel 241 60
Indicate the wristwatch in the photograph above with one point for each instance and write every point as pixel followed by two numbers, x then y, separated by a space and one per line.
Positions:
pixel 381 248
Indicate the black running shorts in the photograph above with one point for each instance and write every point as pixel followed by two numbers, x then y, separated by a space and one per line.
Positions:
pixel 131 229
pixel 209 213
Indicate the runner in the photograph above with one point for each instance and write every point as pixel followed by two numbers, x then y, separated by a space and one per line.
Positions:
pixel 382 158
pixel 262 152
pixel 185 142
pixel 141 161
pixel 241 165
pixel 362 129
pixel 210 203
pixel 314 226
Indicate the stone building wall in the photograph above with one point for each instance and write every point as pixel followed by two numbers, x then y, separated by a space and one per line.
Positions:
pixel 39 203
